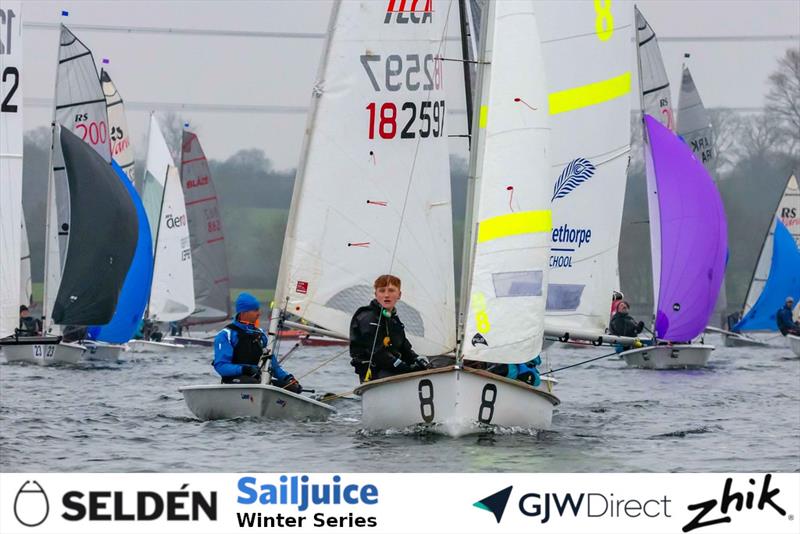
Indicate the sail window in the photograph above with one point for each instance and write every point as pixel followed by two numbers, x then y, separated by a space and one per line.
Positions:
pixel 518 284
pixel 564 297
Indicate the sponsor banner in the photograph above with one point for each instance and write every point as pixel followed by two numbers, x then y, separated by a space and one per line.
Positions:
pixel 384 503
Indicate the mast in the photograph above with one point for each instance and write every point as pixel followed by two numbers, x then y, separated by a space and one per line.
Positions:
pixel 465 30
pixel 283 275
pixel 470 228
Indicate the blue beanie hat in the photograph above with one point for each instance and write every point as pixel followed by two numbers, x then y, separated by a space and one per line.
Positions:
pixel 246 302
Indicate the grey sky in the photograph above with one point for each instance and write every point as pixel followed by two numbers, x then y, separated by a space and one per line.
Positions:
pixel 258 71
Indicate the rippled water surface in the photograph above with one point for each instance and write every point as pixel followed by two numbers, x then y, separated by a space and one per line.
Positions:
pixel 740 414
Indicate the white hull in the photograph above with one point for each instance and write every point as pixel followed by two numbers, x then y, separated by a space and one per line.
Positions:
pixel 455 402
pixel 104 352
pixel 185 340
pixel 742 340
pixel 668 356
pixel 228 401
pixel 794 343
pixel 45 353
pixel 157 347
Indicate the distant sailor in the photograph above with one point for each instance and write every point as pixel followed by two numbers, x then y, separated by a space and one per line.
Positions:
pixel 622 324
pixel 616 298
pixel 378 343
pixel 786 323
pixel 28 326
pixel 238 348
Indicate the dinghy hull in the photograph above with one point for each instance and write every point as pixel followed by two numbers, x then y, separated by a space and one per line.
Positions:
pixel 663 357
pixel 43 351
pixel 455 402
pixel 193 341
pixel 794 344
pixel 742 340
pixel 104 352
pixel 228 401
pixel 157 347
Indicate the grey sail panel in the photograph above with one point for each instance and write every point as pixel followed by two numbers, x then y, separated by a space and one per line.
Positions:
pixel 653 81
pixel 118 132
pixel 694 122
pixel 103 236
pixel 209 260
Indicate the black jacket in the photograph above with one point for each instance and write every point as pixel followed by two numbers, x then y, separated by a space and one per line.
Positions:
pixel 622 324
pixel 368 329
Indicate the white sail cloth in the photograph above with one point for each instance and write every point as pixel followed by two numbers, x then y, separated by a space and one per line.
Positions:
pixel 511 165
pixel 372 192
pixel 589 116
pixel 11 126
pixel 653 80
pixel 118 133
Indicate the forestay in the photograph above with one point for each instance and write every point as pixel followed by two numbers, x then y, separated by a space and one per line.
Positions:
pixel 586 51
pixel 102 239
pixel 11 126
pixel 119 135
pixel 688 235
pixel 80 107
pixel 372 192
pixel 788 211
pixel 172 292
pixel 512 222
pixel 209 261
pixel 653 81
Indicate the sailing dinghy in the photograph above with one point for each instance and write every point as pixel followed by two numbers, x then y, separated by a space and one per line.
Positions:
pixel 172 289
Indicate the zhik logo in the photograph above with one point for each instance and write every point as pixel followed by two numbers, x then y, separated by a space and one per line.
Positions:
pixel 31 506
pixel 495 503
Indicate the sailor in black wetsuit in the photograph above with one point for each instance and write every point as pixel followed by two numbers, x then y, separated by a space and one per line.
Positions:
pixel 239 346
pixel 378 343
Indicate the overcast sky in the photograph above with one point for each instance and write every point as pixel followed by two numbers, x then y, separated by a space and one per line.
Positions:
pixel 229 70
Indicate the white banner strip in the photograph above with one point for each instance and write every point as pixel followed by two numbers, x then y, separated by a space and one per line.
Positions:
pixel 391 503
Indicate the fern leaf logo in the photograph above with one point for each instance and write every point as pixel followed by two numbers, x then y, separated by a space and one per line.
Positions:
pixel 574 174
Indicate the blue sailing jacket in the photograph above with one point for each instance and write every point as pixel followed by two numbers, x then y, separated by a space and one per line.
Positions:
pixel 223 352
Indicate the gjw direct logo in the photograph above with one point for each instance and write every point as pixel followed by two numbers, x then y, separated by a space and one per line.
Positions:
pixel 32 505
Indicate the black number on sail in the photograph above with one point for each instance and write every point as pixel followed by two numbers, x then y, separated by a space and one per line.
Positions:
pixel 426 400
pixel 5 106
pixel 486 410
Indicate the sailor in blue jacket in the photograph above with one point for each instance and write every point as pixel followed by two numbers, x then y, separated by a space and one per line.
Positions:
pixel 786 324
pixel 238 348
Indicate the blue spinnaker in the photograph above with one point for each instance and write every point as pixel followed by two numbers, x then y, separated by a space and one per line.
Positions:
pixel 136 289
pixel 783 281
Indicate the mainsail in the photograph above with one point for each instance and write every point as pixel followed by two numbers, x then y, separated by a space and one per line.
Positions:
pixel 788 211
pixel 505 279
pixel 119 135
pixel 25 281
pixel 653 81
pixel 372 192
pixel 80 107
pixel 102 238
pixel 688 233
pixel 694 123
pixel 11 125
pixel 209 261
pixel 172 291
pixel 783 281
pixel 589 102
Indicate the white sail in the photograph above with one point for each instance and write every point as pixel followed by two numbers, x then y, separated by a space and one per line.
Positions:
pixel 172 292
pixel 653 81
pixel 80 106
pixel 10 163
pixel 589 81
pixel 119 135
pixel 372 192
pixel 511 166
pixel 789 212
pixel 25 281
pixel 694 123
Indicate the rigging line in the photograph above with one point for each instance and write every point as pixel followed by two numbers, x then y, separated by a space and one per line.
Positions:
pixel 416 151
pixel 323 364
pixel 550 372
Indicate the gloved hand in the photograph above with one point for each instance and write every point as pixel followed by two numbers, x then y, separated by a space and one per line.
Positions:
pixel 640 326
pixel 401 366
pixel 250 370
pixel 420 364
pixel 293 385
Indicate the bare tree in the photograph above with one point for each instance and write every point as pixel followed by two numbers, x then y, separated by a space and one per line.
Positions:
pixel 727 126
pixel 783 99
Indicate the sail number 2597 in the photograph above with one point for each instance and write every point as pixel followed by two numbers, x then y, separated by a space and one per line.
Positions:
pixel 425 119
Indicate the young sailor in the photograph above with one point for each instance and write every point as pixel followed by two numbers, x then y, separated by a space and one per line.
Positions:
pixel 238 348
pixel 378 343
pixel 622 324
pixel 786 323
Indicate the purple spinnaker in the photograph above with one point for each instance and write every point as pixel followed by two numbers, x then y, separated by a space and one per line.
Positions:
pixel 692 236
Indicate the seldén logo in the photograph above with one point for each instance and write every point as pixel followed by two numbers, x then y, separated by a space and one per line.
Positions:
pixel 495 503
pixel 409 11
pixel 736 499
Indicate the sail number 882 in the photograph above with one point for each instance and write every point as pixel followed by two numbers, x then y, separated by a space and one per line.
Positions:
pixel 425 119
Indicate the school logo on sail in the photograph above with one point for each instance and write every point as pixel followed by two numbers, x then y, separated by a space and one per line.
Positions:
pixel 574 174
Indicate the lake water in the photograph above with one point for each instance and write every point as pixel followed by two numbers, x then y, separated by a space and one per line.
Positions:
pixel 740 414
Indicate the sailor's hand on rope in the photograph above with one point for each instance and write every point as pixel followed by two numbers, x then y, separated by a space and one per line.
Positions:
pixel 420 364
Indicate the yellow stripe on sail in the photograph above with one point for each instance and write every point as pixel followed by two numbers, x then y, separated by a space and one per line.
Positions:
pixel 484 117
pixel 525 222
pixel 590 95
